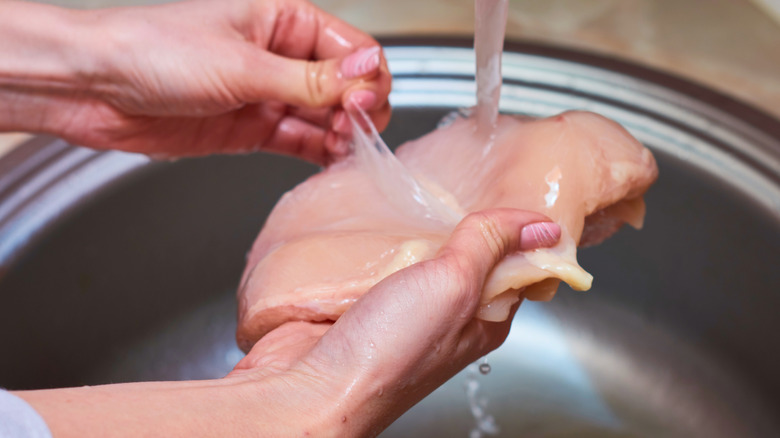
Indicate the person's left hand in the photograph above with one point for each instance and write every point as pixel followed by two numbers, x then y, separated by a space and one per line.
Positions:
pixel 204 76
pixel 406 336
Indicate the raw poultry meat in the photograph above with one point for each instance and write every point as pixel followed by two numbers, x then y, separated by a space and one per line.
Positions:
pixel 343 230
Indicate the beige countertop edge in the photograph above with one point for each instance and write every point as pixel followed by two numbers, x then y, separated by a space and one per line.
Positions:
pixel 9 141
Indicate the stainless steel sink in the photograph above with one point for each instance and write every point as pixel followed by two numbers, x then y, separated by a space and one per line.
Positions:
pixel 114 268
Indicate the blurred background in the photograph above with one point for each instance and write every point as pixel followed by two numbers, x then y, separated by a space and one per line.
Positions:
pixel 730 45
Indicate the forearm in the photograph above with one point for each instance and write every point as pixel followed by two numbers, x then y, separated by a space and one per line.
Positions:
pixel 235 407
pixel 45 59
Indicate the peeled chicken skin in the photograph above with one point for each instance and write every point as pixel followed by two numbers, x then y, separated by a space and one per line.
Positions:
pixel 343 230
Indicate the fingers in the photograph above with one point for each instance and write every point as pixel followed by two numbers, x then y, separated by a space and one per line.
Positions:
pixel 370 96
pixel 302 30
pixel 416 328
pixel 337 38
pixel 314 60
pixel 379 113
pixel 315 88
pixel 318 123
pixel 304 140
pixel 483 239
pixel 433 299
pixel 313 84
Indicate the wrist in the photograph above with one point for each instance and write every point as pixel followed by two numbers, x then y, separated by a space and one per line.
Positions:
pixel 45 56
pixel 349 402
pixel 285 405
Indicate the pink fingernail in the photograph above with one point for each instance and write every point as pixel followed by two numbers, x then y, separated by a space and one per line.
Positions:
pixel 360 63
pixel 363 99
pixel 539 235
pixel 341 123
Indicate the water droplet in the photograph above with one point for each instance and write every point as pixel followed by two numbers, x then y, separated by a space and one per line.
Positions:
pixel 484 368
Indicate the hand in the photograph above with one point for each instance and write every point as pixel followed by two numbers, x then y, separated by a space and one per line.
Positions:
pixel 195 78
pixel 405 337
pixel 402 339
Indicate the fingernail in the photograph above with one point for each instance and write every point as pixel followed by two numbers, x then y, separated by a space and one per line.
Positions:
pixel 360 63
pixel 341 123
pixel 363 99
pixel 337 145
pixel 539 235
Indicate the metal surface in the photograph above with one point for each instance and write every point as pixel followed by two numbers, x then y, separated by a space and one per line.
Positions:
pixel 116 269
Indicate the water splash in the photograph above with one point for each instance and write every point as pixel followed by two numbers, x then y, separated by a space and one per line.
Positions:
pixel 484 423
pixel 489 28
pixel 484 368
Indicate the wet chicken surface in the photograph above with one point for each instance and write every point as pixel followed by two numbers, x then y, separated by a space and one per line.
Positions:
pixel 343 230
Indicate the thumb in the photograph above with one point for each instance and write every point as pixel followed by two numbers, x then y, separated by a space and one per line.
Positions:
pixel 312 84
pixel 484 238
pixel 409 334
pixel 435 296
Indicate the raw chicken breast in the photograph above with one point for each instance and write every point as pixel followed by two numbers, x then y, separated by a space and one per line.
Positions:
pixel 343 230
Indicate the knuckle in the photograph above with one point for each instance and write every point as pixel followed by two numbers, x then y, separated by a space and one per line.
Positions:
pixel 453 271
pixel 489 231
pixel 315 84
pixel 457 282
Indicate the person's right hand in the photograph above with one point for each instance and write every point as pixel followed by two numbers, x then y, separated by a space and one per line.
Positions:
pixel 405 337
pixel 190 78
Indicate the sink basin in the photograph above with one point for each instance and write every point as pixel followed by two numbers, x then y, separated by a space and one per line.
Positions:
pixel 115 268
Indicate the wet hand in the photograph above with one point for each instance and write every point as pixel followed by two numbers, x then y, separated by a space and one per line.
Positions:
pixel 405 337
